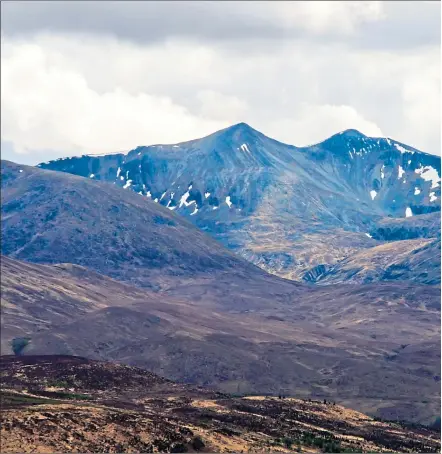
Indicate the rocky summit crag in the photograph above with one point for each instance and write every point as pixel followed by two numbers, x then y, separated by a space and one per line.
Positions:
pixel 286 209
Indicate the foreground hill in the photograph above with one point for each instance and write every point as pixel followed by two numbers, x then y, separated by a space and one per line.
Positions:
pixel 52 217
pixel 62 403
pixel 240 335
pixel 284 208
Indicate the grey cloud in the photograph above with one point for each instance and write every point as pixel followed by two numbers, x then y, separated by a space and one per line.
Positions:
pixel 142 22
pixel 407 24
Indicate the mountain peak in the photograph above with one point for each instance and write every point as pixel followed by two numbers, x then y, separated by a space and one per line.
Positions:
pixel 352 133
pixel 239 127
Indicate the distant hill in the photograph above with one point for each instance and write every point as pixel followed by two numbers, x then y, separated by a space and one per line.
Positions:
pixel 284 208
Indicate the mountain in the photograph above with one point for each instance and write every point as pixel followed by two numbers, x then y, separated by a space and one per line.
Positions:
pixel 53 217
pixel 236 335
pixel 92 406
pixel 115 276
pixel 284 208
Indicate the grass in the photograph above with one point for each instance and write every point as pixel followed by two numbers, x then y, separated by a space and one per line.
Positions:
pixel 11 399
pixel 62 395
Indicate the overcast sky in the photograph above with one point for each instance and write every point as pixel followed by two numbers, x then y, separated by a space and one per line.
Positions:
pixel 98 77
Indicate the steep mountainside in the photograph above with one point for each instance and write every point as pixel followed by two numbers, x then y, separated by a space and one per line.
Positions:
pixel 414 260
pixel 284 208
pixel 239 335
pixel 53 217
pixel 65 403
pixel 396 229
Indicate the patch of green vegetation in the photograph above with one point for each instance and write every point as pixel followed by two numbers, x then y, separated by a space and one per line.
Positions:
pixel 435 425
pixel 326 444
pixel 18 344
pixel 78 396
pixel 287 442
pixel 63 395
pixel 11 399
pixel 58 384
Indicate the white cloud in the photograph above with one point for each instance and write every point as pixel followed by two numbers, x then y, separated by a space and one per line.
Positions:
pixel 328 16
pixel 221 107
pixel 46 106
pixel 327 119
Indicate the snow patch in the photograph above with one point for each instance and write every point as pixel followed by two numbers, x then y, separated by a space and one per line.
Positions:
pixel 176 146
pixel 206 194
pixel 433 197
pixel 369 236
pixel 162 195
pixel 91 175
pixel 21 170
pixel 373 194
pixel 229 203
pixel 417 191
pixel 402 149
pixel 408 212
pixel 388 141
pixel 122 178
pixel 118 171
pixel 156 200
pixel 429 173
pixel 148 194
pixel 184 197
pixel 244 148
pixel 128 183
pixel 127 174
pixel 382 172
pixel 194 211
pixel 215 208
pixel 401 171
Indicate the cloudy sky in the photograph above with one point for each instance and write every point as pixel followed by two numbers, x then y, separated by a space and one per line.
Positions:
pixel 98 77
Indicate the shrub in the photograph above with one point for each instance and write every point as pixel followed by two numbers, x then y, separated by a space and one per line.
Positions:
pixel 197 443
pixel 18 344
pixel 179 447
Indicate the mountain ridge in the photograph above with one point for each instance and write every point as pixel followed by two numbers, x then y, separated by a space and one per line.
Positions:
pixel 274 203
pixel 246 127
